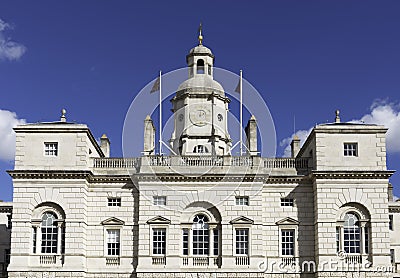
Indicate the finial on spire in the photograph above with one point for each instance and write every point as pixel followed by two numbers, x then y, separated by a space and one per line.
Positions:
pixel 337 118
pixel 63 118
pixel 200 34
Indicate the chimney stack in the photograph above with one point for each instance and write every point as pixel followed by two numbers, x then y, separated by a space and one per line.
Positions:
pixel 105 145
pixel 295 145
pixel 251 136
pixel 149 136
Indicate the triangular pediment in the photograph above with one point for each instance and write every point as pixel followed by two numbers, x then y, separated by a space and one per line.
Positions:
pixel 287 221
pixel 242 220
pixel 158 220
pixel 113 221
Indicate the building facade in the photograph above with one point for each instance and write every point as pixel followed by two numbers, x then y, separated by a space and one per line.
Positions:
pixel 326 211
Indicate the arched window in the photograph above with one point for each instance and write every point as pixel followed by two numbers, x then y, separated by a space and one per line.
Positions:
pixel 353 230
pixel 201 240
pixel 49 231
pixel 200 66
pixel 351 234
pixel 200 149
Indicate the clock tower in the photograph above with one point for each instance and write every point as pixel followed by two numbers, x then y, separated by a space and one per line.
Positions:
pixel 200 109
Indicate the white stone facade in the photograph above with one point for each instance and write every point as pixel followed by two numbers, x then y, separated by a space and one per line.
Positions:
pixel 79 213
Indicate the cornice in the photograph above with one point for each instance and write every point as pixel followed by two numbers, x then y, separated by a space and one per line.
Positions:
pixel 351 174
pixel 50 174
pixel 202 178
pixel 287 179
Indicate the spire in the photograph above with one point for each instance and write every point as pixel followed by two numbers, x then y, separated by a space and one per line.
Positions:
pixel 200 34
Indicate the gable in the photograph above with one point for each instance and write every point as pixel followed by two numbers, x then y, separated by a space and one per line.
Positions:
pixel 241 220
pixel 113 221
pixel 287 221
pixel 158 220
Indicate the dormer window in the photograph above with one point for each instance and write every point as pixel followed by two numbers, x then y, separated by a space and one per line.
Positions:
pixel 200 149
pixel 200 66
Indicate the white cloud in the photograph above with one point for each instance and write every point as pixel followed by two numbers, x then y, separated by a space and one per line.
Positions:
pixel 9 49
pixel 382 113
pixel 302 134
pixel 388 115
pixel 8 120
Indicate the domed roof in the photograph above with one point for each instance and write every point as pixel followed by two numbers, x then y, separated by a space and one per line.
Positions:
pixel 200 49
pixel 201 83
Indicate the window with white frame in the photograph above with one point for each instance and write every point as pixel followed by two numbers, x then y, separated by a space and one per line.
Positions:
pixel 114 202
pixel 49 233
pixel 350 149
pixel 242 200
pixel 242 241
pixel 287 202
pixel 287 242
pixel 51 149
pixel 113 242
pixel 216 242
pixel 200 232
pixel 159 200
pixel 159 241
pixel 351 234
pixel 34 235
pixel 185 242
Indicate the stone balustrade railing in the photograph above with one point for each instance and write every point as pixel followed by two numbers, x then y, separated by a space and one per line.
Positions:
pixel 203 161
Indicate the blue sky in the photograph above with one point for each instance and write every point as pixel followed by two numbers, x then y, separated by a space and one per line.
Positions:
pixel 306 58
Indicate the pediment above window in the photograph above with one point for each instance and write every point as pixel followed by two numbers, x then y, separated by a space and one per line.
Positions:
pixel 242 220
pixel 287 221
pixel 113 221
pixel 158 220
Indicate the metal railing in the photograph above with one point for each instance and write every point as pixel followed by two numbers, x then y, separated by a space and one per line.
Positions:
pixel 242 260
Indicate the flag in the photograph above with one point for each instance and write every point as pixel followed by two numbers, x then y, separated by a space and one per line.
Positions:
pixel 237 90
pixel 156 86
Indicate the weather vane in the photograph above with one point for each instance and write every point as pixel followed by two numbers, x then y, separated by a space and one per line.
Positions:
pixel 200 34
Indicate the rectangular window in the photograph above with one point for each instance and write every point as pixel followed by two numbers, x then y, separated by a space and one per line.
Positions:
pixel 337 239
pixel 242 241
pixel 9 221
pixel 287 242
pixel 216 242
pixel 366 240
pixel 34 240
pixel 287 202
pixel 352 240
pixel 51 149
pixel 242 200
pixel 159 241
pixel 391 222
pixel 113 242
pixel 160 200
pixel 392 255
pixel 114 202
pixel 350 149
pixel 185 240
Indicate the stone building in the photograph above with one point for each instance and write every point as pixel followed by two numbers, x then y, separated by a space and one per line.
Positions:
pixel 325 211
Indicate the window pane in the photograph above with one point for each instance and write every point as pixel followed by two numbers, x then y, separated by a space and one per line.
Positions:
pixel 287 202
pixel 242 241
pixel 113 242
pixel 159 241
pixel 49 231
pixel 287 240
pixel 200 235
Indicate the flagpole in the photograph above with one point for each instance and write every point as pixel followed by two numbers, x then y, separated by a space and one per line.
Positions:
pixel 241 113
pixel 160 123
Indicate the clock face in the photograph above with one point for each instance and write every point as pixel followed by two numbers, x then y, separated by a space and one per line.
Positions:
pixel 199 115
